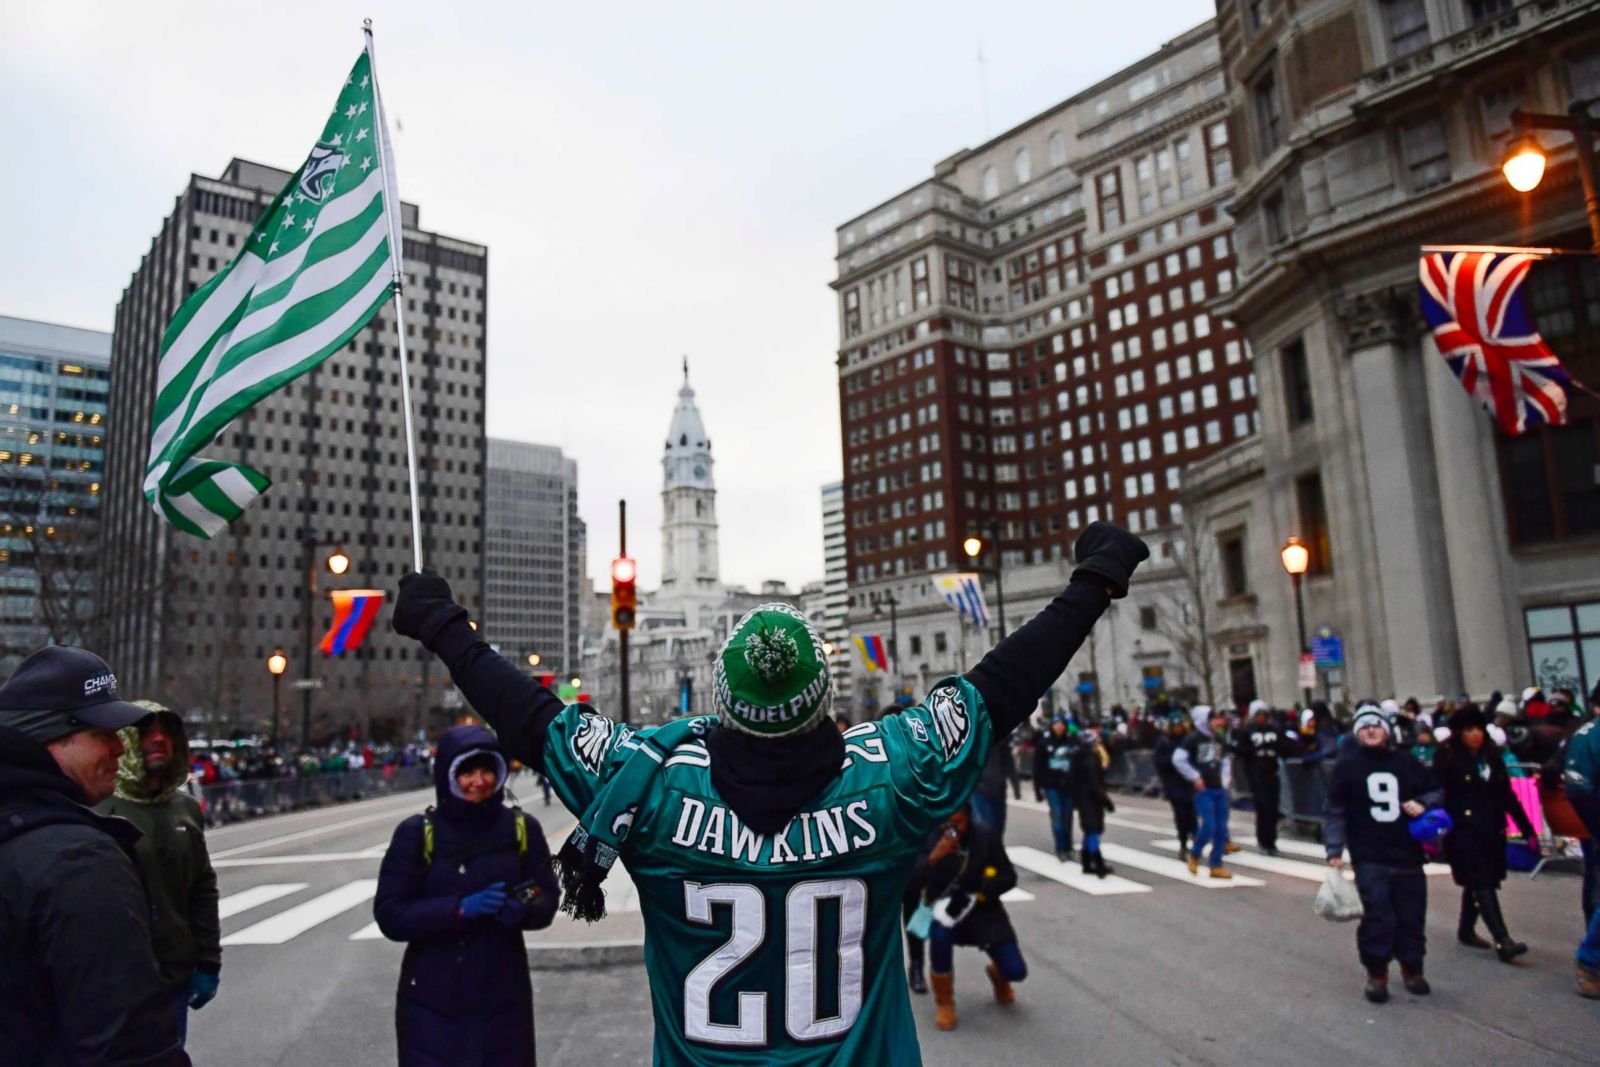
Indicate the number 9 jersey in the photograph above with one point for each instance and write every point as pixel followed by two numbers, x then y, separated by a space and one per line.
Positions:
pixel 1366 796
pixel 783 949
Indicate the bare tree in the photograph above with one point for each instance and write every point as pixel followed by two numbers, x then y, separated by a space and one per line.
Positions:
pixel 1185 614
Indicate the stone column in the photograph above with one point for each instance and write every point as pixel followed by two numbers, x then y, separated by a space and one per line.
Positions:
pixel 1474 531
pixel 1403 495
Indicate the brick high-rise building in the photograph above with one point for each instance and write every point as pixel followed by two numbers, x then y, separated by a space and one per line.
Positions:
pixel 203 616
pixel 1024 337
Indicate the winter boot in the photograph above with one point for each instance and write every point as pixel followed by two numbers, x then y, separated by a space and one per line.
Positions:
pixel 916 978
pixel 1100 868
pixel 1416 985
pixel 1088 861
pixel 1183 851
pixel 1221 872
pixel 1194 863
pixel 1003 993
pixel 1230 848
pixel 1588 982
pixel 1467 928
pixel 1504 947
pixel 1377 990
pixel 944 999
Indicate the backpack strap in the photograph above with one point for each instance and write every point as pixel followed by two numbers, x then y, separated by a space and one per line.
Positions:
pixel 522 832
pixel 427 837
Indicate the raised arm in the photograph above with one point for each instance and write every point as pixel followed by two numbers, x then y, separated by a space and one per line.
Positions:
pixel 515 706
pixel 1018 671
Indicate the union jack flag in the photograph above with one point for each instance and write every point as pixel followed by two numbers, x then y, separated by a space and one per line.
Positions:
pixel 1473 301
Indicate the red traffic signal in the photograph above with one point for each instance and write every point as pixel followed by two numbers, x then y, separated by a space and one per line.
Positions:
pixel 624 592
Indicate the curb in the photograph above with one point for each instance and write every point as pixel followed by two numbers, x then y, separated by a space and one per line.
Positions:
pixel 580 955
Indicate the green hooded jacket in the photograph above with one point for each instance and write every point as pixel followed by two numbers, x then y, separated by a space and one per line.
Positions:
pixel 185 929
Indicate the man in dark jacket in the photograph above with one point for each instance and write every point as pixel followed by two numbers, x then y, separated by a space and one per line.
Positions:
pixel 1581 777
pixel 79 984
pixel 1374 793
pixel 186 931
pixel 1174 786
pixel 1260 743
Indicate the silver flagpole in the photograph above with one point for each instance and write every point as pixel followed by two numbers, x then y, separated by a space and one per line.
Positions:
pixel 391 210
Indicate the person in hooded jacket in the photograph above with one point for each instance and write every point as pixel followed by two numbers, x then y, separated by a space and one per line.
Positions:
pixel 1088 783
pixel 1204 761
pixel 1261 742
pixel 1174 786
pixel 1478 796
pixel 451 888
pixel 185 929
pixel 967 872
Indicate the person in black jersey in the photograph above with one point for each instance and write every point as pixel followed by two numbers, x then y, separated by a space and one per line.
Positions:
pixel 1375 792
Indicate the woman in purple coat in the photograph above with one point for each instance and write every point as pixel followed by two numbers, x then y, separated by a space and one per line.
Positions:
pixel 459 885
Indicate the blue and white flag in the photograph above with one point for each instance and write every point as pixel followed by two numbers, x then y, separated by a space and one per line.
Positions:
pixel 964 592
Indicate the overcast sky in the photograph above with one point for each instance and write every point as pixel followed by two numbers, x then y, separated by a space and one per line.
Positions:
pixel 652 180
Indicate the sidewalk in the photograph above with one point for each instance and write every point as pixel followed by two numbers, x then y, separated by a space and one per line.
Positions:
pixel 569 943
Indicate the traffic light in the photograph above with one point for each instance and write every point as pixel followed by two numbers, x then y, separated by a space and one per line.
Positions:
pixel 624 592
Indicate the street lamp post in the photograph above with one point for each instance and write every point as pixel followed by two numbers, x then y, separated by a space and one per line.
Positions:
pixel 337 564
pixel 973 547
pixel 277 663
pixel 1524 163
pixel 1296 559
pixel 894 635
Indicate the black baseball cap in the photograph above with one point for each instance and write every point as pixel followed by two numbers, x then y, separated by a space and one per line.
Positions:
pixel 60 690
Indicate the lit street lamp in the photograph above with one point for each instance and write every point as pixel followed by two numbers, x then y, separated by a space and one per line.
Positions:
pixel 973 547
pixel 1524 163
pixel 277 663
pixel 1296 560
pixel 337 563
pixel 534 659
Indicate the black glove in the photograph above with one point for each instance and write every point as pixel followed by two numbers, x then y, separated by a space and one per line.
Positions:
pixel 1106 801
pixel 1110 554
pixel 425 607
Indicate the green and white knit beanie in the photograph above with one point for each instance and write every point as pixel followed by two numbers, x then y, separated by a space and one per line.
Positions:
pixel 772 675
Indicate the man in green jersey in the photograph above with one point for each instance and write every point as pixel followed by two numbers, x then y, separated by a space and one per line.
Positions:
pixel 770 855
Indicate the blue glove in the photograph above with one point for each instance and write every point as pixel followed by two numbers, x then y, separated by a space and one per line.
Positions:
pixel 512 912
pixel 484 903
pixel 202 989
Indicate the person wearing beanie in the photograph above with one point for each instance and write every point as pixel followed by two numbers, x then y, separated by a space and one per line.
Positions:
pixel 764 818
pixel 1059 746
pixel 1261 744
pixel 1478 796
pixel 79 980
pixel 185 926
pixel 1373 794
pixel 1087 775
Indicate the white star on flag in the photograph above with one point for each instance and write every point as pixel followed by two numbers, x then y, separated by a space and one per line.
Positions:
pixel 361 134
pixel 273 250
pixel 363 108
pixel 338 139
pixel 364 80
pixel 350 112
pixel 288 220
pixel 309 223
pixel 366 164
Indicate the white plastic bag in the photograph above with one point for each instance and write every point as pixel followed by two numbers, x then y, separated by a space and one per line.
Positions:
pixel 1337 900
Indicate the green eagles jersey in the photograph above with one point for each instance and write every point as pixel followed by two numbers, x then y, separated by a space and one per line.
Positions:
pixel 783 949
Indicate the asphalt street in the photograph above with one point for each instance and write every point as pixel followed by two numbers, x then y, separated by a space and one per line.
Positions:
pixel 1151 967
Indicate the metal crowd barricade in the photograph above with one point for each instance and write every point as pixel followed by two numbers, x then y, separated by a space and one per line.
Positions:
pixel 1305 793
pixel 249 798
pixel 1131 768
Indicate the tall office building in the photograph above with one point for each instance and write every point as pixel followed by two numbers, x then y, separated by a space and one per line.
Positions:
pixel 836 589
pixel 533 565
pixel 1025 338
pixel 1446 554
pixel 53 382
pixel 203 616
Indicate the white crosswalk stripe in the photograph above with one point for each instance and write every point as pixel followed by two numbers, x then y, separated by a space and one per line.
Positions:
pixel 287 925
pixel 1124 856
pixel 255 896
pixel 369 932
pixel 1310 872
pixel 1043 863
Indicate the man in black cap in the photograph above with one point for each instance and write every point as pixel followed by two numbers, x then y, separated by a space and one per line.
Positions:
pixel 78 977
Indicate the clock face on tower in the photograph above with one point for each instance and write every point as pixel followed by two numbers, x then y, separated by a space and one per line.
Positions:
pixel 699 471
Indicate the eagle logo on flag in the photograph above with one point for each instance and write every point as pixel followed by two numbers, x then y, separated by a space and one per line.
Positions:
pixel 320 172
pixel 1473 299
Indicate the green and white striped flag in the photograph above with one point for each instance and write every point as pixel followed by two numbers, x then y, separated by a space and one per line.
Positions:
pixel 314 270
